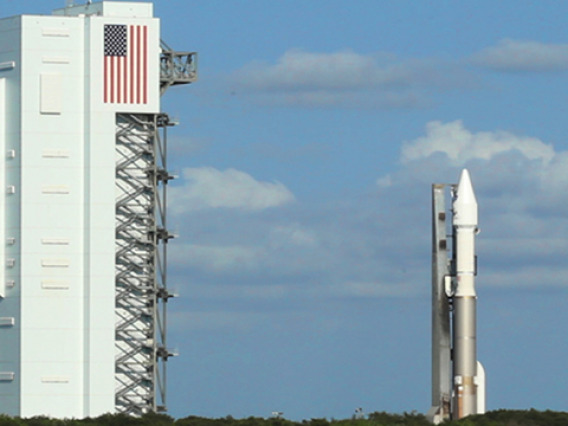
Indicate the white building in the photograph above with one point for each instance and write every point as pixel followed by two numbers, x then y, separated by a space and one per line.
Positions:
pixel 81 229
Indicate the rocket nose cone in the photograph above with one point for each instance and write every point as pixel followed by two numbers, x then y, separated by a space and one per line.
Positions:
pixel 465 204
pixel 465 192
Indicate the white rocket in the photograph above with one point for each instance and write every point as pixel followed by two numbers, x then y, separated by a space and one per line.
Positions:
pixel 464 223
pixel 458 379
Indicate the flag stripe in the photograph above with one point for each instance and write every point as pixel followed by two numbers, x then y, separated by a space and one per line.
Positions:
pixel 118 80
pixel 131 67
pixel 125 79
pixel 112 79
pixel 105 81
pixel 145 66
pixel 138 64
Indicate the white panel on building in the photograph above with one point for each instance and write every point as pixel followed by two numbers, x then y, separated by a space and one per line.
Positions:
pixel 55 189
pixel 61 60
pixel 55 285
pixel 55 379
pixel 51 93
pixel 55 241
pixel 55 263
pixel 55 153
pixel 55 32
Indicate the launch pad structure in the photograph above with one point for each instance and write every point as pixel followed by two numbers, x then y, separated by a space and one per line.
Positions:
pixel 441 341
pixel 83 220
pixel 458 378
pixel 141 247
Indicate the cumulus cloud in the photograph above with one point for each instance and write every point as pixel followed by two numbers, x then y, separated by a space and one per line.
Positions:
pixel 216 320
pixel 209 188
pixel 519 182
pixel 516 172
pixel 343 78
pixel 184 146
pixel 372 289
pixel 518 56
pixel 376 246
pixel 461 145
pixel 293 235
pixel 343 70
pixel 530 275
pixel 217 258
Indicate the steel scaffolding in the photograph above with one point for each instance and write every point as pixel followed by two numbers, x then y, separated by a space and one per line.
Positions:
pixel 141 248
pixel 176 67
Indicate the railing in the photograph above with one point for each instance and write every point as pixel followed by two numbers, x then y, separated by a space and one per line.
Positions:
pixel 176 67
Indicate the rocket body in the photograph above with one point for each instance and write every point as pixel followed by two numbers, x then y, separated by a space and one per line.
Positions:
pixel 464 223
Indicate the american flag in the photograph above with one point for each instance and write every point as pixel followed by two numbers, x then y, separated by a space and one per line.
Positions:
pixel 126 64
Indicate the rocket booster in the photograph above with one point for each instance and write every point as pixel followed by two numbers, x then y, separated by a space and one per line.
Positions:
pixel 464 223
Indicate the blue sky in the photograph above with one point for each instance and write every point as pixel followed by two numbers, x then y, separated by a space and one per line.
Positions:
pixel 306 153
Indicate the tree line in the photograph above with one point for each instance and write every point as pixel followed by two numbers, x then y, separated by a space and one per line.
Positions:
pixel 492 418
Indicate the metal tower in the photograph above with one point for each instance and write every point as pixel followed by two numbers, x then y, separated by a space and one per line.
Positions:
pixel 441 308
pixel 141 247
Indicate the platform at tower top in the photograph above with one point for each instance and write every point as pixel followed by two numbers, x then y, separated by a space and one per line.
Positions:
pixel 109 9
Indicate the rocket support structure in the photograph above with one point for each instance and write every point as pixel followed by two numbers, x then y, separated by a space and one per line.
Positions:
pixel 454 308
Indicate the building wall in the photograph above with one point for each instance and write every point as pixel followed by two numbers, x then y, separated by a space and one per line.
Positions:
pixel 57 228
pixel 52 219
pixel 10 55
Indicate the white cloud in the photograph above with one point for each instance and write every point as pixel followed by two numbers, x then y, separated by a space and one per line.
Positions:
pixel 519 183
pixel 555 176
pixel 344 78
pixel 372 289
pixel 222 290
pixel 325 98
pixel 377 246
pixel 529 275
pixel 217 258
pixel 343 70
pixel 523 247
pixel 185 146
pixel 461 145
pixel 209 188
pixel 216 320
pixel 384 181
pixel 519 174
pixel 516 55
pixel 292 235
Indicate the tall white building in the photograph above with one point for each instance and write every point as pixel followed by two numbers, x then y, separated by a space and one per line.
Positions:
pixel 82 223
